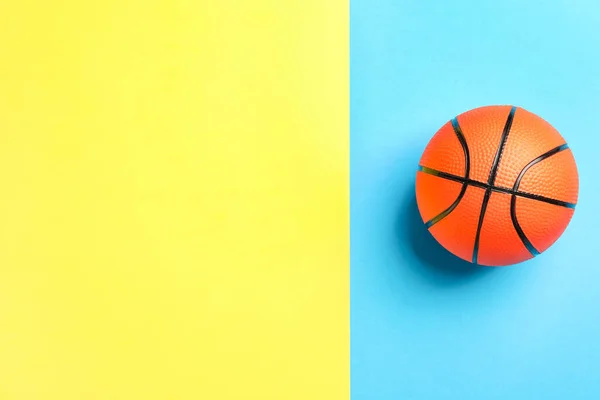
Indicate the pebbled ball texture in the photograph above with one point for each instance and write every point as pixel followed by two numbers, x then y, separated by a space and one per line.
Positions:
pixel 497 185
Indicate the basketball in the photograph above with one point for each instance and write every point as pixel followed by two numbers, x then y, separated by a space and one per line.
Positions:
pixel 497 185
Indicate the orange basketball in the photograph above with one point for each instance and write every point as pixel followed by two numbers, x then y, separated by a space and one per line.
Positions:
pixel 497 185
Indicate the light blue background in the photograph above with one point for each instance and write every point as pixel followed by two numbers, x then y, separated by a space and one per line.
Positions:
pixel 424 325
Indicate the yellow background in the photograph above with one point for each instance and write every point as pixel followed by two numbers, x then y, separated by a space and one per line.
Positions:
pixel 174 206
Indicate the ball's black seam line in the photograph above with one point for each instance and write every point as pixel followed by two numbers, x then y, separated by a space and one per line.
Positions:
pixel 465 146
pixel 463 143
pixel 486 199
pixel 500 189
pixel 503 140
pixel 452 177
pixel 448 210
pixel 541 158
pixel 513 201
pixel 492 179
pixel 513 215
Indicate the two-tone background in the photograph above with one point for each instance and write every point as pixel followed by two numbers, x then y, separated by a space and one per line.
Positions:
pixel 215 200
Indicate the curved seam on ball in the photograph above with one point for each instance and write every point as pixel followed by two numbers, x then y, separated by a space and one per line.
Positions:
pixel 463 143
pixel 513 201
pixel 513 216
